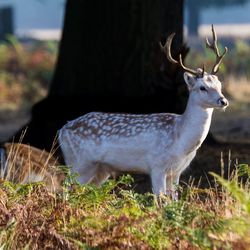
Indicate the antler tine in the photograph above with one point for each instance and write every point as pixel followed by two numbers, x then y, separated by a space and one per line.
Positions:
pixel 218 62
pixel 167 51
pixel 203 69
pixel 214 47
pixel 194 72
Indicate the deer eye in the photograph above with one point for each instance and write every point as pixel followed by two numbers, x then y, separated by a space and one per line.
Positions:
pixel 202 88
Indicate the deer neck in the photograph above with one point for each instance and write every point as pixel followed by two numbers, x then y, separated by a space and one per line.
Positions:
pixel 195 124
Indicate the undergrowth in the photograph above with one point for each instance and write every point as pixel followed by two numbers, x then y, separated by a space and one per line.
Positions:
pixel 25 72
pixel 114 217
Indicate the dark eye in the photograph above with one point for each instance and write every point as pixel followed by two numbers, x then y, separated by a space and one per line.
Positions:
pixel 202 88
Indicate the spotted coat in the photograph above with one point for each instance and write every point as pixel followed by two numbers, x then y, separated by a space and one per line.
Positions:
pixel 162 145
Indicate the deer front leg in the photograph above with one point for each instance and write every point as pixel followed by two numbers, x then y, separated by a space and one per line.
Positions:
pixel 158 180
pixel 172 180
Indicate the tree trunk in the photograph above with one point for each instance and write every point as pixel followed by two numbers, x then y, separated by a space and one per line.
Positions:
pixel 107 46
pixel 109 60
pixel 6 22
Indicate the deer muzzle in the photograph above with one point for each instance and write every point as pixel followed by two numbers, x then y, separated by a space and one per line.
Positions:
pixel 223 102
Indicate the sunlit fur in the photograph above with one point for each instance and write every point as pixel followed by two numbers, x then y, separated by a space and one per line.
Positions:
pixel 161 145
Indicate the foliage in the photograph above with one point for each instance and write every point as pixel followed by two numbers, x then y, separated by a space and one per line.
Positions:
pixel 25 71
pixel 236 62
pixel 27 68
pixel 111 217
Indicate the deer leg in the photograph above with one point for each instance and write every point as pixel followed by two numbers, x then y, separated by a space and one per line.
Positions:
pixel 101 175
pixel 158 182
pixel 87 173
pixel 173 180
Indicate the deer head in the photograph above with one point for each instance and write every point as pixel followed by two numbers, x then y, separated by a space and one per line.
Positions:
pixel 204 88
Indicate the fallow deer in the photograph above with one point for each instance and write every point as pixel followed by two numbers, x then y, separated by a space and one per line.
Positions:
pixel 162 145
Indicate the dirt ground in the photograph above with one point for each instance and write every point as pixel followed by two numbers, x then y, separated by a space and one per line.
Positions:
pixel 218 158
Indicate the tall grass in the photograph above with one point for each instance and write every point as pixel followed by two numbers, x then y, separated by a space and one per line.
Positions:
pixel 115 217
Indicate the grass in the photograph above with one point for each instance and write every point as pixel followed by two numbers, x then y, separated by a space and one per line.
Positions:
pixel 115 217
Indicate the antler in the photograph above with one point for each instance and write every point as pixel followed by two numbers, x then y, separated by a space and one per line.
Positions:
pixel 214 47
pixel 167 50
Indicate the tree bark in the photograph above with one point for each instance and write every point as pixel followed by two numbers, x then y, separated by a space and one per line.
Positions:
pixel 107 46
pixel 110 60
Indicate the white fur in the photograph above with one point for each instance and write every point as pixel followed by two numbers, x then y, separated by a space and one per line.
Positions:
pixel 161 145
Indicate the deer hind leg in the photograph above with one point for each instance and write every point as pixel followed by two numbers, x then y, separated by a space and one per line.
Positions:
pixel 103 172
pixel 75 157
pixel 69 144
pixel 100 177
pixel 87 173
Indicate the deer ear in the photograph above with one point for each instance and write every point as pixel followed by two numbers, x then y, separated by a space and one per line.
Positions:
pixel 189 79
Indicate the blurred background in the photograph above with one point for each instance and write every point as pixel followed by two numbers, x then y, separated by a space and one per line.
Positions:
pixel 30 33
pixel 232 22
pixel 30 36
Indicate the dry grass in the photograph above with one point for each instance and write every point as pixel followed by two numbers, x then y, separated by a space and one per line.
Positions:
pixel 115 217
pixel 21 163
pixel 238 88
pixel 88 218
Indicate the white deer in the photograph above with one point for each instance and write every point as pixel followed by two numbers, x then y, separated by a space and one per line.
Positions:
pixel 162 145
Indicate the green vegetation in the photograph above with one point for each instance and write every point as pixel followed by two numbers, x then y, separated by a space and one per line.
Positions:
pixel 236 62
pixel 115 217
pixel 26 70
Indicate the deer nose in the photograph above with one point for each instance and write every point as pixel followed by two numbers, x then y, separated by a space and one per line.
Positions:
pixel 223 101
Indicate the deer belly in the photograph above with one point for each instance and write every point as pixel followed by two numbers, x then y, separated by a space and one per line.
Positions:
pixel 124 158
